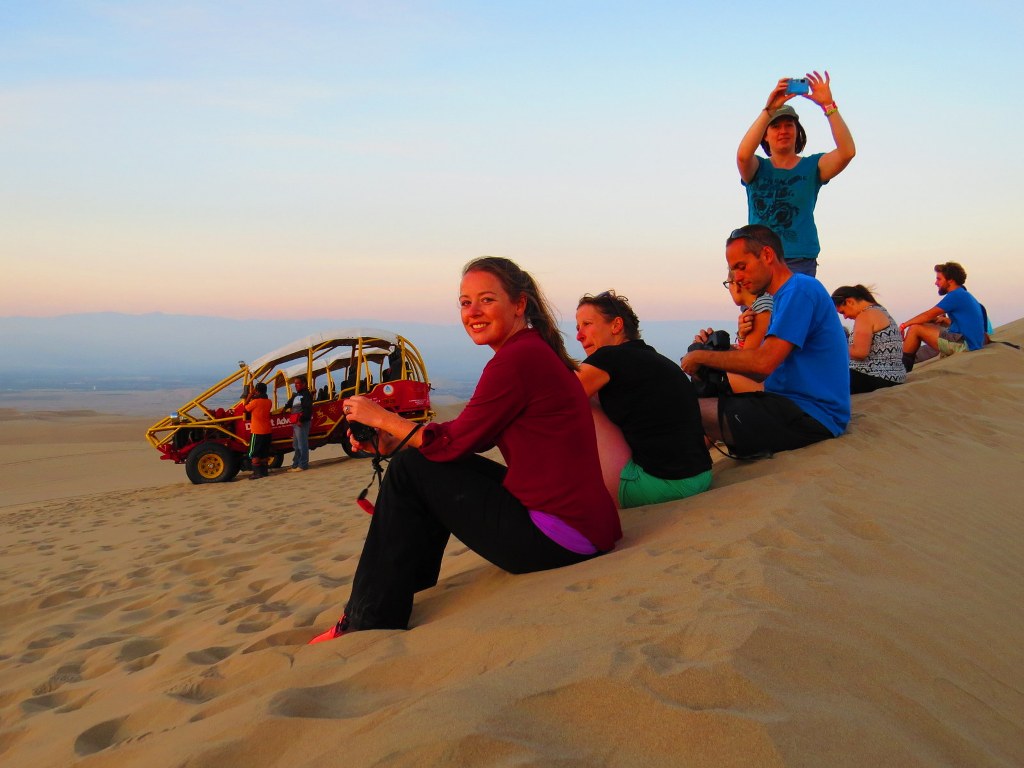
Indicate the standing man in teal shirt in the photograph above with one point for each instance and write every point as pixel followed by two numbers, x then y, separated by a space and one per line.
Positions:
pixel 782 188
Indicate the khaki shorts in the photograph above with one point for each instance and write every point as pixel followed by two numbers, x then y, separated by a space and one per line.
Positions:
pixel 951 343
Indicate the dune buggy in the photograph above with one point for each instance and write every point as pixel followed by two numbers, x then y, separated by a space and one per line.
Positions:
pixel 211 438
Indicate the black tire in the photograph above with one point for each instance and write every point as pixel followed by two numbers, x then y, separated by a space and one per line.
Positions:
pixel 276 461
pixel 211 463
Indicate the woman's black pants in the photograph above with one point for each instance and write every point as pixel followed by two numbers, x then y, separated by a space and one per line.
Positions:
pixel 420 504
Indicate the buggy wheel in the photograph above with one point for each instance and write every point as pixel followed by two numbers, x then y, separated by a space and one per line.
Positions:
pixel 211 463
pixel 276 461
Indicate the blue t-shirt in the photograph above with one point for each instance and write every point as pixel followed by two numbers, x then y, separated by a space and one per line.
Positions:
pixel 815 375
pixel 966 316
pixel 783 200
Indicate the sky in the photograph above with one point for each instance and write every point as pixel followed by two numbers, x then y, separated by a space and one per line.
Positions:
pixel 342 159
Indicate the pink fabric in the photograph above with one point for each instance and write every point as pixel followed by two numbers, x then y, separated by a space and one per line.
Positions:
pixel 562 534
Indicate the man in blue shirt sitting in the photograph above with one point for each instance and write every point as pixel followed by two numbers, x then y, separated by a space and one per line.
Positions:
pixel 803 360
pixel 955 324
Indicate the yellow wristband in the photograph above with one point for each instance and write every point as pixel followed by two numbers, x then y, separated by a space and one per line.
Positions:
pixel 830 109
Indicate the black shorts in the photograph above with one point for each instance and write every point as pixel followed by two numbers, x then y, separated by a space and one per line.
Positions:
pixel 861 382
pixel 762 422
pixel 259 446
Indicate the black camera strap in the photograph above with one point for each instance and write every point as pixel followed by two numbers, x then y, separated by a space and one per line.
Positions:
pixel 378 461
pixel 765 454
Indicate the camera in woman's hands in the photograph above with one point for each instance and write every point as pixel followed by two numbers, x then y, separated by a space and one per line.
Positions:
pixel 361 432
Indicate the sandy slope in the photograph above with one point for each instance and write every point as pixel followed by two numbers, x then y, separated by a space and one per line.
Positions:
pixel 854 603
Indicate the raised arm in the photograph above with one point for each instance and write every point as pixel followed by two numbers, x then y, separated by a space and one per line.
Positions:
pixel 832 163
pixel 746 162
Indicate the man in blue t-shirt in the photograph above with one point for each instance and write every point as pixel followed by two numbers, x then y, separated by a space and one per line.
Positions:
pixel 955 324
pixel 803 360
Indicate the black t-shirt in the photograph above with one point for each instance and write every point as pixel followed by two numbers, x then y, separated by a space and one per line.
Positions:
pixel 653 402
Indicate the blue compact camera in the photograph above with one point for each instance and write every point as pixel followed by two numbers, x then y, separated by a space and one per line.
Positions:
pixel 798 85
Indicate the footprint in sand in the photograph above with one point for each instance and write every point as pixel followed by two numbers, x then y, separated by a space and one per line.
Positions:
pixel 99 737
pixel 331 582
pixel 288 637
pixel 138 648
pixel 197 691
pixel 55 599
pixel 304 573
pixel 627 594
pixel 65 675
pixel 585 586
pixel 200 596
pixel 234 572
pixel 104 735
pixel 49 638
pixel 338 701
pixel 98 610
pixel 654 612
pixel 140 664
pixel 211 655
pixel 58 703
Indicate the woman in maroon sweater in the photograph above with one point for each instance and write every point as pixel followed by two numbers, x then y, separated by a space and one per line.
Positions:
pixel 546 508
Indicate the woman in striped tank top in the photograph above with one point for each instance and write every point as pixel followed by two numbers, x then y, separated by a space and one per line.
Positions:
pixel 876 344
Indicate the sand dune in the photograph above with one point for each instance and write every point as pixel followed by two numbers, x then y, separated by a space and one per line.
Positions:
pixel 856 603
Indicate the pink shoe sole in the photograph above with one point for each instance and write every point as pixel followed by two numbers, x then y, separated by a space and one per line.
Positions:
pixel 330 634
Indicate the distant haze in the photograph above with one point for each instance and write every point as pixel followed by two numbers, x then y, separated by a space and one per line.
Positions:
pixel 158 351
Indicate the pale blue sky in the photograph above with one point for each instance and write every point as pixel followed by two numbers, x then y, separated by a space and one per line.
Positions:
pixel 311 159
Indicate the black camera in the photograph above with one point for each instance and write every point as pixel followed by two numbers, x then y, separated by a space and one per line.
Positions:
pixel 361 432
pixel 718 341
pixel 711 382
